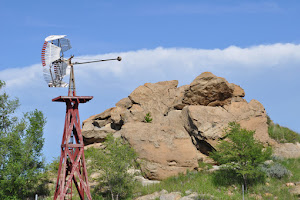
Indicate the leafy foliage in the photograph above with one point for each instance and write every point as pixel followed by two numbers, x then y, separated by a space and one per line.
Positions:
pixel 241 154
pixel 21 143
pixel 54 165
pixel 113 162
pixel 148 118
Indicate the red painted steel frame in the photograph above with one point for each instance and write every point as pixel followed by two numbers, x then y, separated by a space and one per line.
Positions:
pixel 72 165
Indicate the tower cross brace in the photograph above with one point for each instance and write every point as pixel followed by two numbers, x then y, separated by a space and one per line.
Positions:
pixel 72 167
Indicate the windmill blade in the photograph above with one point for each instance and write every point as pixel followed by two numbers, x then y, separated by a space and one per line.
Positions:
pixel 54 37
pixel 60 41
pixel 63 43
pixel 50 53
pixel 54 65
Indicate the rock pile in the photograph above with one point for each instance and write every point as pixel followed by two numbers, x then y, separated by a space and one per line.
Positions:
pixel 164 195
pixel 187 122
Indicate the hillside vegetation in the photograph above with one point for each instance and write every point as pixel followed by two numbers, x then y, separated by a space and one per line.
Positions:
pixel 267 177
pixel 209 185
pixel 282 134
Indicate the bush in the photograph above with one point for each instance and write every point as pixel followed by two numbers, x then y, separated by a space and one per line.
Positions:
pixel 275 170
pixel 113 162
pixel 54 165
pixel 148 118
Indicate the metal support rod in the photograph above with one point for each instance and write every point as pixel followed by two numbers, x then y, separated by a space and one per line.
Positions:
pixel 72 88
pixel 78 63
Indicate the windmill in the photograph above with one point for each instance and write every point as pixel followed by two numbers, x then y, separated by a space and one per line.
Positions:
pixel 72 167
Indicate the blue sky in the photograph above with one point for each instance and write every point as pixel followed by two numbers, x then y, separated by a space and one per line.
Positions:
pixel 255 44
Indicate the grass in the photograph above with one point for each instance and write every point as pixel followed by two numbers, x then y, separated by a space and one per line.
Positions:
pixel 282 134
pixel 204 184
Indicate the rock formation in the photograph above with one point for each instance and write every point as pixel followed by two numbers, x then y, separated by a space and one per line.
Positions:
pixel 188 122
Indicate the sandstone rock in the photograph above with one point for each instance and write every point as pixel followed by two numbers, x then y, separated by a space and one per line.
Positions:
pixel 137 113
pixel 133 171
pixel 171 196
pixel 206 124
pixel 179 95
pixel 155 98
pixel 166 147
pixel 96 135
pixel 95 145
pixel 237 91
pixel 287 150
pixel 290 184
pixel 153 196
pixel 295 190
pixel 251 116
pixel 124 103
pixel 208 90
pixel 187 123
pixel 144 181
pixel 149 196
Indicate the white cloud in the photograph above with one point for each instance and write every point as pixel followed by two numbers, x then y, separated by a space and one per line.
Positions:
pixel 165 62
pixel 110 81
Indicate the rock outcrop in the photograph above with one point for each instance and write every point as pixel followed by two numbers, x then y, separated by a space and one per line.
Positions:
pixel 187 122
pixel 287 150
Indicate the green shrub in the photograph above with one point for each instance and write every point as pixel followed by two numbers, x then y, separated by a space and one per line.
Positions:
pixel 54 165
pixel 148 118
pixel 242 154
pixel 113 162
pixel 275 170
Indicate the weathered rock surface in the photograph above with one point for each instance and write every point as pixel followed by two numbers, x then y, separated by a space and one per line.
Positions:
pixel 206 124
pixel 166 147
pixel 287 150
pixel 188 122
pixel 210 90
pixel 295 190
pixel 164 195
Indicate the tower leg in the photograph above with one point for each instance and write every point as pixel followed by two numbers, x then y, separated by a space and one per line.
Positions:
pixel 72 167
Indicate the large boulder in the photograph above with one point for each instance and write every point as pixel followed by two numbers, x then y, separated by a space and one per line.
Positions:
pixel 187 122
pixel 206 124
pixel 210 90
pixel 166 148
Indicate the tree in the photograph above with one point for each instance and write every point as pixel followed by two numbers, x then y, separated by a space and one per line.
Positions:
pixel 21 143
pixel 113 162
pixel 241 153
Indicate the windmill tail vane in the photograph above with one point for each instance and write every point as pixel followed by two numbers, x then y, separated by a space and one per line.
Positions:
pixel 55 66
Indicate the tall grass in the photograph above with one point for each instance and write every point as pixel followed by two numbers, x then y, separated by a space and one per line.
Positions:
pixel 282 134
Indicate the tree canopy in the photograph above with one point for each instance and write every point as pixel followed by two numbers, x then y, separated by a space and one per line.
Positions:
pixel 241 153
pixel 21 143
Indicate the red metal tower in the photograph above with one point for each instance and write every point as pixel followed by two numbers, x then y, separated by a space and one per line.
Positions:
pixel 72 167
